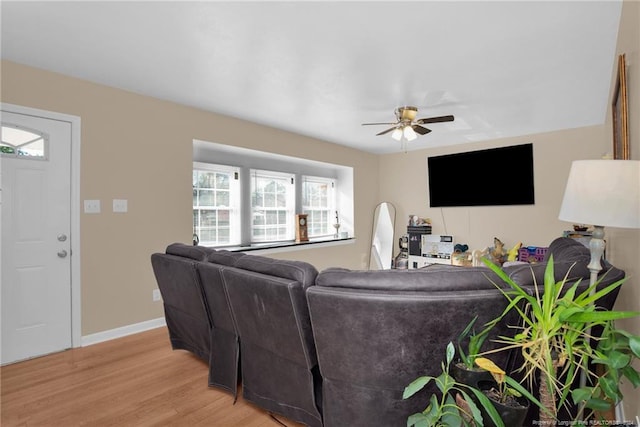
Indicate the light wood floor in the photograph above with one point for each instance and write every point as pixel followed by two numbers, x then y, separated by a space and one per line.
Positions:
pixel 132 381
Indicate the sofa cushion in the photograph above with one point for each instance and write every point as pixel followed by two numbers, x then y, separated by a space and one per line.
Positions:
pixel 199 253
pixel 300 271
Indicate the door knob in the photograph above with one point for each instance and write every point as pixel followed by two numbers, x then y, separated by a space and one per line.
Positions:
pixel 62 237
pixel 62 253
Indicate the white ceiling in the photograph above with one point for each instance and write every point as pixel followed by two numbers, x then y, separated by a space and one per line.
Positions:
pixel 503 68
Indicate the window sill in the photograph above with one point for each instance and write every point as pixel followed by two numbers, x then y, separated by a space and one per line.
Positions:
pixel 266 248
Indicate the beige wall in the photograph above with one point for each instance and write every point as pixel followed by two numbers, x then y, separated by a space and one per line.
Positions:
pixel 140 149
pixel 625 244
pixel 403 181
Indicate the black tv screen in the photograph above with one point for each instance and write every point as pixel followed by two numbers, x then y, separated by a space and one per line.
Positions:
pixel 494 177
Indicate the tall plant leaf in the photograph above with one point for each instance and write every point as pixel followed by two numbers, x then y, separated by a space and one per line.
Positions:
pixel 488 407
pixel 415 386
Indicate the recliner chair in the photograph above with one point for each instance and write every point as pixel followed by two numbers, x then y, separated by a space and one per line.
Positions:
pixel 278 358
pixel 188 320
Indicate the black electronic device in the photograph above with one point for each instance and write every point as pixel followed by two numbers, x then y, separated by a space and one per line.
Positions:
pixel 493 177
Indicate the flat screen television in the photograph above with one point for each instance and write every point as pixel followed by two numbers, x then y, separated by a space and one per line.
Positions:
pixel 494 177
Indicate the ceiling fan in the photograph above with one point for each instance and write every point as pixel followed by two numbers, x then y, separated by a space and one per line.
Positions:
pixel 407 125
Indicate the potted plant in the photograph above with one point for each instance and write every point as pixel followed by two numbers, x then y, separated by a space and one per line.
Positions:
pixel 465 370
pixel 613 357
pixel 507 395
pixel 554 339
pixel 453 406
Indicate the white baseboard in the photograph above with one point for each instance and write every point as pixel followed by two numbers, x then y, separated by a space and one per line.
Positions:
pixel 122 331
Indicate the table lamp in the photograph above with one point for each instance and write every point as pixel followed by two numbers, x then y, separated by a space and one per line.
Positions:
pixel 602 193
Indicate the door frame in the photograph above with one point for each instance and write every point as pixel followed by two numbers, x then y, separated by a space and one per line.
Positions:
pixel 76 312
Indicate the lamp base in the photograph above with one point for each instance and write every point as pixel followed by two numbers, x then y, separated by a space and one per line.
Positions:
pixel 596 245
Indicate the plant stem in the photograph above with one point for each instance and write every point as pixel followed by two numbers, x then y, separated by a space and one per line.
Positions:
pixel 548 398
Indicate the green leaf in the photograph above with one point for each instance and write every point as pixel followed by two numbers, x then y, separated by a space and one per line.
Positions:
pixel 581 394
pixel 475 412
pixel 618 360
pixel 517 386
pixel 443 382
pixel 467 330
pixel 601 316
pixel 591 298
pixel 634 344
pixel 415 386
pixel 488 407
pixel 451 351
pixel 513 392
pixel 632 375
pixel 566 314
pixel 451 415
pixel 598 404
pixel 418 420
pixel 433 410
pixel 610 388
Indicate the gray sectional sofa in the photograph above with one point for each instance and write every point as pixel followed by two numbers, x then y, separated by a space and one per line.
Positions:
pixel 245 314
pixel 336 348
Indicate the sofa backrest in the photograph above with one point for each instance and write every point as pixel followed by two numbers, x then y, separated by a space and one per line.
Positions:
pixel 300 271
pixel 225 347
pixel 179 284
pixel 223 257
pixel 271 312
pixel 278 355
pixel 187 316
pixel 570 259
pixel 198 253
pixel 372 343
pixel 435 278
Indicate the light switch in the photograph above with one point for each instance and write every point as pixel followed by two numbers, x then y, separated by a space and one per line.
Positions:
pixel 92 206
pixel 120 205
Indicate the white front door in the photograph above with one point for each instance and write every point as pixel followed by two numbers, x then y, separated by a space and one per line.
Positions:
pixel 35 162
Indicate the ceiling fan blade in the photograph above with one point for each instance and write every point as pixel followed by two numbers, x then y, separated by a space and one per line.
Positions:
pixel 434 120
pixel 386 131
pixel 374 124
pixel 421 130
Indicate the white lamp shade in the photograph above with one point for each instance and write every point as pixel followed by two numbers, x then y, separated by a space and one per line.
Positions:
pixel 603 192
pixel 397 134
pixel 409 133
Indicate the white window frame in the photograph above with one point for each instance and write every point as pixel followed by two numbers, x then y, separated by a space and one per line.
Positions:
pixel 288 181
pixel 235 194
pixel 329 208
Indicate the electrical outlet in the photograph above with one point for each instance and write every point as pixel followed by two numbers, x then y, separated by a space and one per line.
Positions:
pixel 92 206
pixel 120 205
pixel 156 295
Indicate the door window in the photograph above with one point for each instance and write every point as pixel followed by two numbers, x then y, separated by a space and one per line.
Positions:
pixel 23 143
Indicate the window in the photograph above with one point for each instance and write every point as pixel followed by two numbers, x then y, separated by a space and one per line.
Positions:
pixel 270 190
pixel 216 197
pixel 23 143
pixel 272 206
pixel 318 202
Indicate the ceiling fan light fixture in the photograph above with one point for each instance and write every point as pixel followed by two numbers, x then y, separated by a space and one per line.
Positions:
pixel 407 127
pixel 409 133
pixel 397 134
